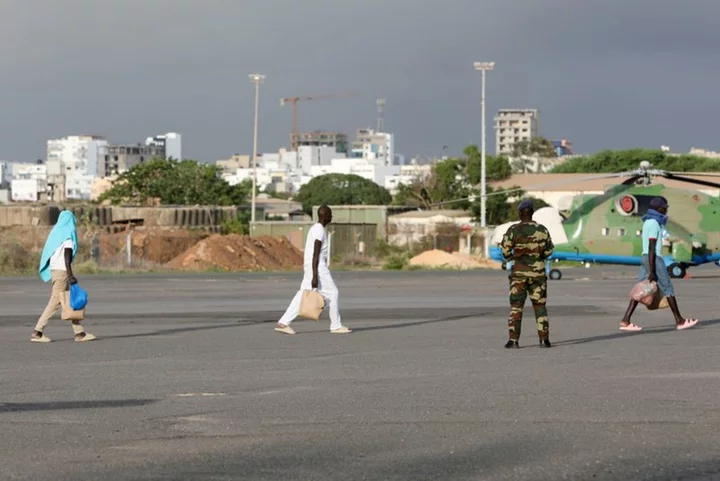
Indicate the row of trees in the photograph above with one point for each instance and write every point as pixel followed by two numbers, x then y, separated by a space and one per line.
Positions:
pixel 608 161
pixel 451 184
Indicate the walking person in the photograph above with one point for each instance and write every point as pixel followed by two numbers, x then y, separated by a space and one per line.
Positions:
pixel 653 266
pixel 528 245
pixel 56 267
pixel 316 275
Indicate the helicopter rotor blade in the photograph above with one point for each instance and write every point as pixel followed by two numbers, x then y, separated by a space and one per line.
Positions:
pixel 703 174
pixel 690 180
pixel 633 177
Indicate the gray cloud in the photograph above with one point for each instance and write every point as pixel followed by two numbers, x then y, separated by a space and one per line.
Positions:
pixel 604 73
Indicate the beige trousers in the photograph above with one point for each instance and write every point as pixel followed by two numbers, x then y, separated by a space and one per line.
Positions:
pixel 57 300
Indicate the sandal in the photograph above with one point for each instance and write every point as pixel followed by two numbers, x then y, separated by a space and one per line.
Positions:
pixel 631 327
pixel 687 324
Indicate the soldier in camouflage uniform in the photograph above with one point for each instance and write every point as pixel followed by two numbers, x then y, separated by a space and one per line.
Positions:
pixel 528 245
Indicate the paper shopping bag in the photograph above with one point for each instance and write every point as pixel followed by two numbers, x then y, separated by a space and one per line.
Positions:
pixel 68 313
pixel 312 305
pixel 659 301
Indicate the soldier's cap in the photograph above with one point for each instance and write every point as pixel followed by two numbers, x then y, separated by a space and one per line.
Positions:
pixel 658 202
pixel 525 204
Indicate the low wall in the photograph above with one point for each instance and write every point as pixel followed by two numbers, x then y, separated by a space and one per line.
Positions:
pixel 106 216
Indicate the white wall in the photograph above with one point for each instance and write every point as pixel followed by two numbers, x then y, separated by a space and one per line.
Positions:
pixel 311 156
pixel 172 142
pixel 79 186
pixel 26 190
pixel 78 153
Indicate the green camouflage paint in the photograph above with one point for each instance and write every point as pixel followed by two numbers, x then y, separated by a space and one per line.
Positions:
pixel 598 224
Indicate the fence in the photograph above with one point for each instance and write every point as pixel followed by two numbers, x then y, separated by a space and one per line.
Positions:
pixel 347 238
pixel 470 243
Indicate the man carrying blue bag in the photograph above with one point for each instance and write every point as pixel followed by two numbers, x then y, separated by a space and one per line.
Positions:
pixel 56 267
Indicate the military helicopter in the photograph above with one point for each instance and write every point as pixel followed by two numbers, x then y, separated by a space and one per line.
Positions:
pixel 607 228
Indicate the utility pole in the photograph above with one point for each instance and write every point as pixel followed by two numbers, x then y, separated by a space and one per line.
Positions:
pixel 482 67
pixel 257 79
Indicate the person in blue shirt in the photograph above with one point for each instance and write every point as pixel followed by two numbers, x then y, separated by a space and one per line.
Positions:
pixel 653 266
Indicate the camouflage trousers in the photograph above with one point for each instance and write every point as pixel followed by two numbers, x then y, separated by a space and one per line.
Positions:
pixel 520 287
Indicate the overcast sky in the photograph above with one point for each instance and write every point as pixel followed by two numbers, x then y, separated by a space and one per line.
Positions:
pixel 604 73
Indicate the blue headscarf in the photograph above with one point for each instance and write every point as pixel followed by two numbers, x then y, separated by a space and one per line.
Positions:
pixel 656 203
pixel 655 215
pixel 63 230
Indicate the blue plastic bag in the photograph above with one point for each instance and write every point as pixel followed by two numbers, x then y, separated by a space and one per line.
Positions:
pixel 78 297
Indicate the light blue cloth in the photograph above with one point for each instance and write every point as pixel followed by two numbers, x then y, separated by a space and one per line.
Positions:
pixel 652 230
pixel 64 229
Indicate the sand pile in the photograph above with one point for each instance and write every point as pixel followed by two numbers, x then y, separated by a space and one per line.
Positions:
pixel 240 253
pixel 154 246
pixel 437 258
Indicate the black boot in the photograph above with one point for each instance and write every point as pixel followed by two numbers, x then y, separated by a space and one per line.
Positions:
pixel 545 343
pixel 512 343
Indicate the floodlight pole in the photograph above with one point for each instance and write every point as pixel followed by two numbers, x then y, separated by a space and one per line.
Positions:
pixel 483 67
pixel 257 79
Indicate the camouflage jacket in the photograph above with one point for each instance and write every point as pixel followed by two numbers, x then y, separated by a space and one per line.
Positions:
pixel 528 245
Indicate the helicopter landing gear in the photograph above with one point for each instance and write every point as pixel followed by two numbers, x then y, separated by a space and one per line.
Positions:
pixel 555 274
pixel 676 270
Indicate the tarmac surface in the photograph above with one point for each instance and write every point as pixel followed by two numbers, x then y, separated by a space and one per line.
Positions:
pixel 189 381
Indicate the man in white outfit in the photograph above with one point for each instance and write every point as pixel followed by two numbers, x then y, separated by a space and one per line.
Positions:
pixel 316 276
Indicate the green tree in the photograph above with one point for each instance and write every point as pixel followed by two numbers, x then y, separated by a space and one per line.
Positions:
pixel 608 161
pixel 499 209
pixel 528 153
pixel 453 179
pixel 496 167
pixel 341 189
pixel 175 182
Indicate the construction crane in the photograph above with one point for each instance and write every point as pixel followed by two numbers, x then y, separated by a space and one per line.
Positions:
pixel 294 101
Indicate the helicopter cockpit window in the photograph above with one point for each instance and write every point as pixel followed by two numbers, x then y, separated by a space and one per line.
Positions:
pixel 633 205
pixel 621 232
pixel 605 231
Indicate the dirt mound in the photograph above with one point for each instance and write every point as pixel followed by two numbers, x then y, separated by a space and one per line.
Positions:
pixel 158 247
pixel 240 253
pixel 438 258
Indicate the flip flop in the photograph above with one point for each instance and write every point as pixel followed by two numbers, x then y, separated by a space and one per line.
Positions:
pixel 631 327
pixel 687 324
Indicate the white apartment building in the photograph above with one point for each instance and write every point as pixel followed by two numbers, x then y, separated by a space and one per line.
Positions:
pixel 372 157
pixel 171 142
pixel 29 182
pixel 76 157
pixel 374 146
pixel 407 175
pixel 78 153
pixel 513 126
pixel 374 171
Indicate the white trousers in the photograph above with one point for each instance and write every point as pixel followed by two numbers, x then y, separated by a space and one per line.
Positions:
pixel 326 287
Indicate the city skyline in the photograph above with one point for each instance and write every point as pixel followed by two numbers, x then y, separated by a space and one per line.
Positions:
pixel 603 76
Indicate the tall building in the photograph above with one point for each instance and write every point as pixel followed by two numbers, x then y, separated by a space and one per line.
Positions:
pixel 171 142
pixel 338 140
pixel 513 126
pixel 116 159
pixel 72 163
pixel 76 154
pixel 374 146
